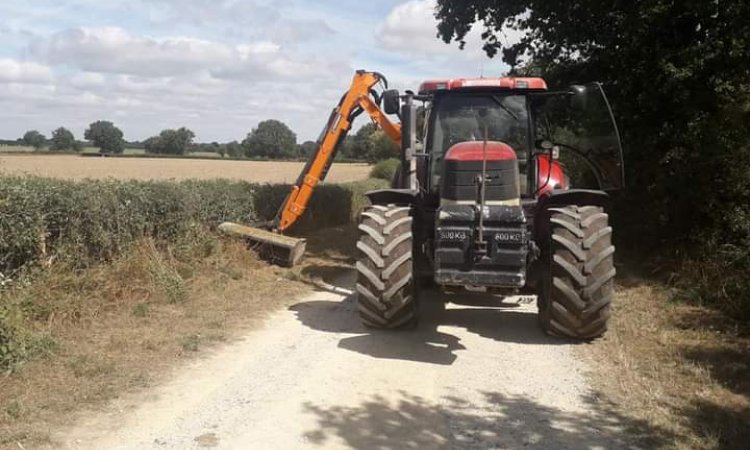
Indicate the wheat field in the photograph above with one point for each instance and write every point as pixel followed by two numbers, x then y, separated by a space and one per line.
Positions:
pixel 77 168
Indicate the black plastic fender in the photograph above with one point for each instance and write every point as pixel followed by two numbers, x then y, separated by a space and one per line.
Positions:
pixel 574 197
pixel 393 196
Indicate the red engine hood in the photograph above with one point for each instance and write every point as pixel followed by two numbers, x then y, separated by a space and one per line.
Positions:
pixel 475 151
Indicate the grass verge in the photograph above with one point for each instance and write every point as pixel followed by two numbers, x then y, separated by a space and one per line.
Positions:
pixel 684 370
pixel 115 327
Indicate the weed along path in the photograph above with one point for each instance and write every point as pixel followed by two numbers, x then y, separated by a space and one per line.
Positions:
pixel 473 375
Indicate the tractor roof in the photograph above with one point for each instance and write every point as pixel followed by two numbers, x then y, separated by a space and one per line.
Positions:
pixel 503 83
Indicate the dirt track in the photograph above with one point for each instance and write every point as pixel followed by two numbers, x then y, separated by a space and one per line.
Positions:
pixel 474 375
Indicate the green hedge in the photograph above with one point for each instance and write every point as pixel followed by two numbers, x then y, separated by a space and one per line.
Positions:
pixel 330 205
pixel 95 219
pixel 43 220
pixel 386 169
pixel 80 223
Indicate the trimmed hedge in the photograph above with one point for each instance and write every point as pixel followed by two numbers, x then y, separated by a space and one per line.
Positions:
pixel 44 220
pixel 80 223
pixel 331 205
pixel 49 219
pixel 386 169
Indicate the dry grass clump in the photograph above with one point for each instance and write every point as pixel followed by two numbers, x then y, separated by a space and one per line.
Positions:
pixel 683 370
pixel 115 327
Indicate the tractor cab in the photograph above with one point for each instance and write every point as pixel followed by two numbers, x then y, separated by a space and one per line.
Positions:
pixel 561 139
pixel 490 152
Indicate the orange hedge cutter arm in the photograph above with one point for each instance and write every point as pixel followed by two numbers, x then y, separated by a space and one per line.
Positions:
pixel 357 99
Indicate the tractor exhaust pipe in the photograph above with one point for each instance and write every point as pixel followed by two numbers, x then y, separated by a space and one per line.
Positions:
pixel 480 245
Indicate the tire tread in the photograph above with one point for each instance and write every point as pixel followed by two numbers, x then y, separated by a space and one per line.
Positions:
pixel 385 285
pixel 578 284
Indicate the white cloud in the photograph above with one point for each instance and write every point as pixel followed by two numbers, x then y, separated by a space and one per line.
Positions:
pixel 13 71
pixel 87 80
pixel 201 12
pixel 279 20
pixel 411 29
pixel 114 50
pixel 291 31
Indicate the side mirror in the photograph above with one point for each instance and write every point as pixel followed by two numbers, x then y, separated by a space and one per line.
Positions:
pixel 391 101
pixel 578 97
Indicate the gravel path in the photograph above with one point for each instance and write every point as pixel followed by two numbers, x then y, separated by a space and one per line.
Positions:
pixel 473 375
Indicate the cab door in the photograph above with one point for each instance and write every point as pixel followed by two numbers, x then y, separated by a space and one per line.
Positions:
pixel 580 124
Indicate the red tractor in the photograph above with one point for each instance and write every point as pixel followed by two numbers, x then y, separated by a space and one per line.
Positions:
pixel 502 188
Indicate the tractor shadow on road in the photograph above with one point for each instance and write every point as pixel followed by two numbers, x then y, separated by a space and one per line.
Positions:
pixel 431 341
pixel 493 420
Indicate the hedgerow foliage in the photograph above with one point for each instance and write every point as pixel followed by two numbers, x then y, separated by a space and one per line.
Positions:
pixel 386 169
pixel 45 222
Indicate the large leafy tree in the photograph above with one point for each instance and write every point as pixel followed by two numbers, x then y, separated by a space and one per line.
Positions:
pixel 63 139
pixel 271 139
pixel 170 142
pixel 234 149
pixel 307 148
pixel 381 147
pixel 361 145
pixel 34 139
pixel 369 143
pixel 106 136
pixel 678 75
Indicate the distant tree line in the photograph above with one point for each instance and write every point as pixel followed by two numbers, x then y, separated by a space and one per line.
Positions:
pixel 270 139
pixel 61 140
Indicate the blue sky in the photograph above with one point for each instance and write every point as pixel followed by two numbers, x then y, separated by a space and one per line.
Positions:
pixel 216 66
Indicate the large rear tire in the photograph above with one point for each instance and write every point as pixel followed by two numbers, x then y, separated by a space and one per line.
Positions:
pixel 385 285
pixel 577 282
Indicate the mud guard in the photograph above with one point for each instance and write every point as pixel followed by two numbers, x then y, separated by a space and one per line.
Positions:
pixel 392 196
pixel 575 197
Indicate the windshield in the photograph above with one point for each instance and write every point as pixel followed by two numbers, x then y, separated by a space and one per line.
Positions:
pixel 458 118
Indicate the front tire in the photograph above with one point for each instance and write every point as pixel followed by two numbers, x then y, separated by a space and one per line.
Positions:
pixel 577 282
pixel 385 282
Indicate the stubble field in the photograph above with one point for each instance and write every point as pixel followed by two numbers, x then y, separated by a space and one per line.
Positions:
pixel 77 168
